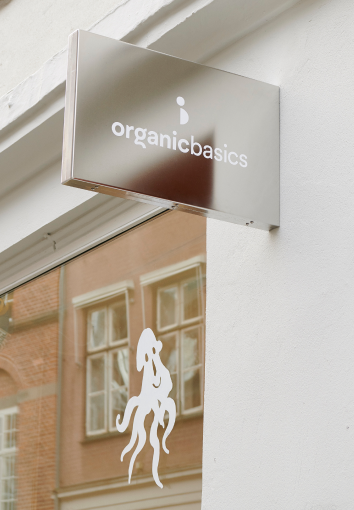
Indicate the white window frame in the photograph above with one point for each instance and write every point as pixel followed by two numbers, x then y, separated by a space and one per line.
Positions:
pixel 106 349
pixel 103 298
pixel 4 452
pixel 157 278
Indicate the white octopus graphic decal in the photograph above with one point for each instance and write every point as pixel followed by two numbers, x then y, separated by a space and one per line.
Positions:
pixel 155 389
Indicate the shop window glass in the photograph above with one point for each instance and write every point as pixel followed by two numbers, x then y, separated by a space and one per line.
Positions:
pixel 168 308
pixel 72 336
pixel 119 322
pixel 190 300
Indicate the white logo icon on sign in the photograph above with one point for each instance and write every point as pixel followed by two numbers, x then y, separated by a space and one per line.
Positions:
pixel 155 388
pixel 183 115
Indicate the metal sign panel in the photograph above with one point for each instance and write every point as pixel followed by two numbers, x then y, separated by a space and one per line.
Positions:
pixel 150 127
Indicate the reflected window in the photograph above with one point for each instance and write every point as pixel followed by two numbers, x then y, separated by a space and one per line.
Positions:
pixel 107 365
pixel 180 318
pixel 8 433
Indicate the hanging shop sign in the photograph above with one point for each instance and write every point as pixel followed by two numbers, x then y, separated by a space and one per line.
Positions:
pixel 154 128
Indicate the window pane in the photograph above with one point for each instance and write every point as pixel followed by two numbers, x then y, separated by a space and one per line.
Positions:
pixel 97 334
pixel 10 431
pixel 167 307
pixel 97 410
pixel 190 308
pixel 169 357
pixel 192 389
pixel 97 382
pixel 120 368
pixel 191 347
pixel 8 482
pixel 119 402
pixel 119 382
pixel 119 322
pixel 168 352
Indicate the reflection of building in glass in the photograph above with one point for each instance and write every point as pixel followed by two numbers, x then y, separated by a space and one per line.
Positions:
pixel 92 312
pixel 28 393
pixel 153 276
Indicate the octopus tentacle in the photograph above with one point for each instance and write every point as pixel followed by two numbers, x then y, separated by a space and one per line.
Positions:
pixel 131 443
pixel 133 402
pixel 140 418
pixel 170 406
pixel 155 443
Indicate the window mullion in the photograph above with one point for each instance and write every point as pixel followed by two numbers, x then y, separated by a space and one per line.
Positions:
pixel 107 389
pixel 180 373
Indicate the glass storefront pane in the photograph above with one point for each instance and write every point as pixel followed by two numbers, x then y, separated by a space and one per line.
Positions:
pixel 97 374
pixel 120 369
pixel 191 347
pixel 169 353
pixel 119 322
pixel 167 307
pixel 192 389
pixel 97 412
pixel 190 298
pixel 97 332
pixel 100 380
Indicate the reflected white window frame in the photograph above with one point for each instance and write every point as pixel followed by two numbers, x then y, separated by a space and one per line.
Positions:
pixel 157 278
pixel 179 328
pixel 7 452
pixel 107 348
pixel 179 310
pixel 103 298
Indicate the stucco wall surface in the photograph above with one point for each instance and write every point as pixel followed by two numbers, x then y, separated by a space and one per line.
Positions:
pixel 31 32
pixel 279 404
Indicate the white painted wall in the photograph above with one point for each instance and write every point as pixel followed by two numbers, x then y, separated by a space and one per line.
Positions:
pixel 279 401
pixel 32 32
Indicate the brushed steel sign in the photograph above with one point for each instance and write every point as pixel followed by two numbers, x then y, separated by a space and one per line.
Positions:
pixel 150 127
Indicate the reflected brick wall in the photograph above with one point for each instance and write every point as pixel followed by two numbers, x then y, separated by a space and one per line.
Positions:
pixel 167 240
pixel 28 375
